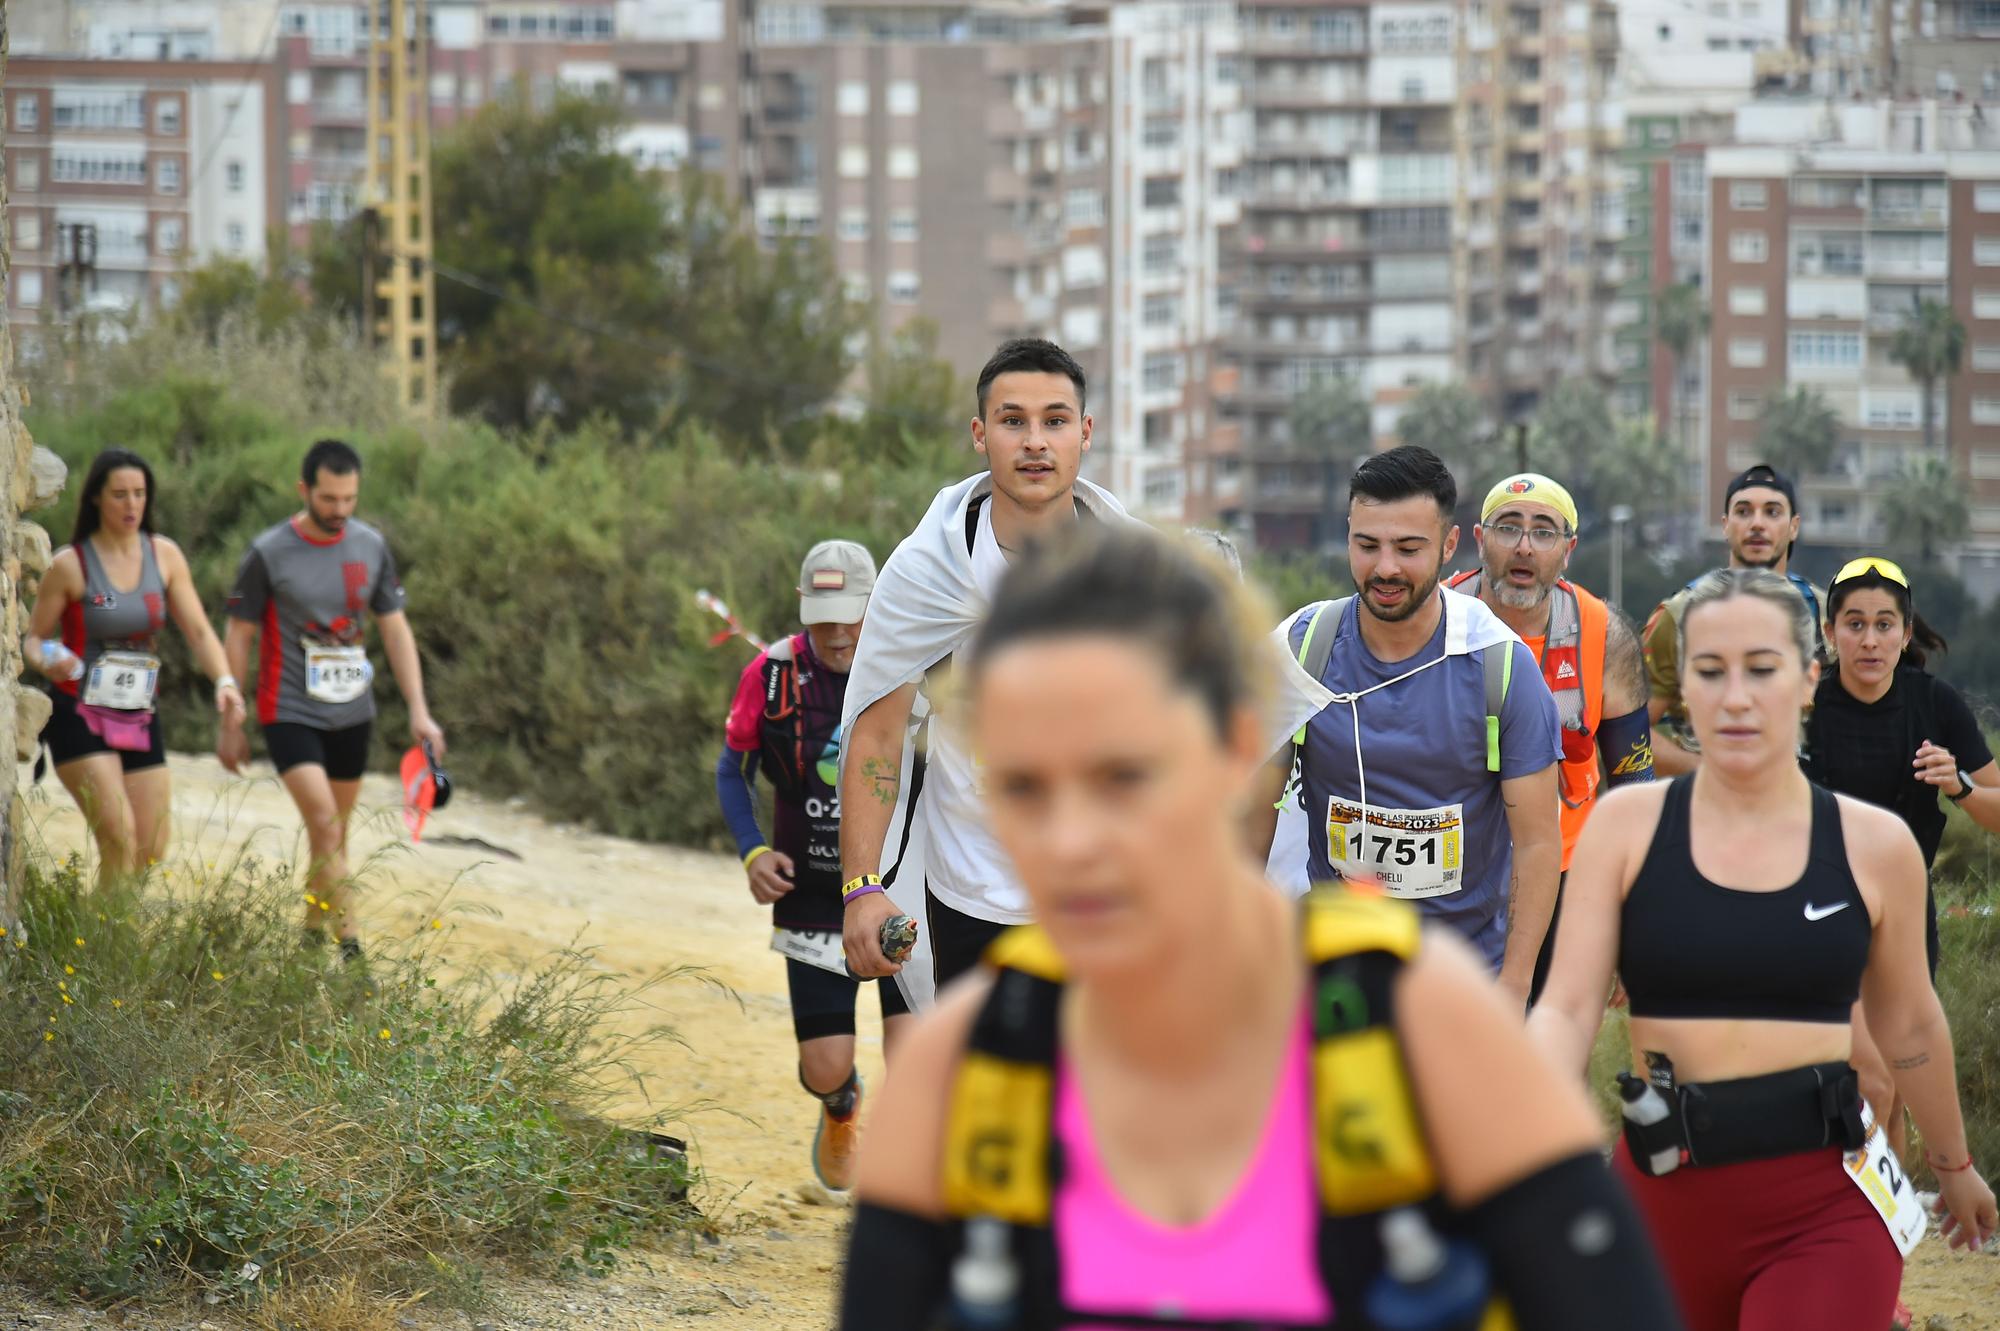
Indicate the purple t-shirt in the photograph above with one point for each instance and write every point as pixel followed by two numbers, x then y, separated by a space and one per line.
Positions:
pixel 1436 829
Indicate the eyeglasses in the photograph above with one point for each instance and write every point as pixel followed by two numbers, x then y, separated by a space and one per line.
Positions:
pixel 1543 539
pixel 1855 568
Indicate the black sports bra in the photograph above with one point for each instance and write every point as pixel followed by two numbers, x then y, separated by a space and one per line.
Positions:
pixel 1691 948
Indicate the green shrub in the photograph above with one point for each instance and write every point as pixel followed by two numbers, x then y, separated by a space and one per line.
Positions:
pixel 188 1095
pixel 551 578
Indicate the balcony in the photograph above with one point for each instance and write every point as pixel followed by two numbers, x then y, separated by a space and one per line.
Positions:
pixel 340 110
pixel 1297 198
pixel 1265 42
pixel 1410 240
pixel 1922 215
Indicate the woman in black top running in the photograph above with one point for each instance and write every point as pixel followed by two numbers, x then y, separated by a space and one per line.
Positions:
pixel 1746 910
pixel 1884 730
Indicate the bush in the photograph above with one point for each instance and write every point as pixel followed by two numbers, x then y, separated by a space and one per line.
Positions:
pixel 551 577
pixel 189 1097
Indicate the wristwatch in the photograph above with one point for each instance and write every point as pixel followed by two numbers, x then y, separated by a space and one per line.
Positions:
pixel 1965 788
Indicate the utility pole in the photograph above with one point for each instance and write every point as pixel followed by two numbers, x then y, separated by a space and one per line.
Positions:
pixel 399 295
pixel 76 274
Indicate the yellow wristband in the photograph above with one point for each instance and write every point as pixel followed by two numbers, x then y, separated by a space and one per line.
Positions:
pixel 751 858
pixel 860 885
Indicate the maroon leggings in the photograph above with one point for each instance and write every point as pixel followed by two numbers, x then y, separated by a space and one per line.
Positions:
pixel 1770 1245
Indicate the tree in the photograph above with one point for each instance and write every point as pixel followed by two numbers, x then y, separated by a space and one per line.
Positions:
pixel 1333 422
pixel 1929 345
pixel 915 406
pixel 1679 321
pixel 1798 431
pixel 1637 466
pixel 224 290
pixel 1924 507
pixel 1572 425
pixel 1450 421
pixel 571 284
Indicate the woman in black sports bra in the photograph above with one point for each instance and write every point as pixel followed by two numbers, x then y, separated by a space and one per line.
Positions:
pixel 1746 910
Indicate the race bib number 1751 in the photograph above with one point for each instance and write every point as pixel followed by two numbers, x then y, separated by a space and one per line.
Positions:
pixel 1413 853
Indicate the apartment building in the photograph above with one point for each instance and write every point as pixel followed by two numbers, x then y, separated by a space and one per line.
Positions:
pixel 159 163
pixel 1341 263
pixel 1540 208
pixel 1827 224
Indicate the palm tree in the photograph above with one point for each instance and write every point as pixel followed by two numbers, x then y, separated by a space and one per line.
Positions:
pixel 1572 424
pixel 1924 507
pixel 1929 345
pixel 1450 421
pixel 1332 421
pixel 1798 431
pixel 1679 320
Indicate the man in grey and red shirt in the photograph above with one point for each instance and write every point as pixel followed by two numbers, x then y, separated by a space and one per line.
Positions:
pixel 302 594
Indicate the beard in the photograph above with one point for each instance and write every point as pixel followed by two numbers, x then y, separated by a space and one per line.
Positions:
pixel 1420 596
pixel 1745 561
pixel 1518 598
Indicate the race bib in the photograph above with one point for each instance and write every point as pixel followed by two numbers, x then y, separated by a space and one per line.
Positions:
pixel 122 681
pixel 1412 853
pixel 815 947
pixel 336 674
pixel 1876 1171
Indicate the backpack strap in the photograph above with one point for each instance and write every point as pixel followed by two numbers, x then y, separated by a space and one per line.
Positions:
pixel 1317 647
pixel 1499 663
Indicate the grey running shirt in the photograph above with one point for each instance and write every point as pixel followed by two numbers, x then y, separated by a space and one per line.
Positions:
pixel 298 589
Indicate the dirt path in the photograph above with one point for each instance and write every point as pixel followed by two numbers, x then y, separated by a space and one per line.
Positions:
pixel 647 908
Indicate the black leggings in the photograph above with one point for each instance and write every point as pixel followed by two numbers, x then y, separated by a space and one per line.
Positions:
pixel 823 1003
pixel 958 940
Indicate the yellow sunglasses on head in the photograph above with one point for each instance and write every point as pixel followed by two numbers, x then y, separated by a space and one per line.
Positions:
pixel 1855 568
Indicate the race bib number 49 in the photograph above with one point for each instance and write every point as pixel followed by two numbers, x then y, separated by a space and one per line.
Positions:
pixel 122 681
pixel 337 674
pixel 1413 853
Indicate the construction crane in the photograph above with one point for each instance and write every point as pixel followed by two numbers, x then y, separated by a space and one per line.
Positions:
pixel 399 292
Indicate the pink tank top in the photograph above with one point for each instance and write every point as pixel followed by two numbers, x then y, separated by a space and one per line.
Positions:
pixel 1253 1258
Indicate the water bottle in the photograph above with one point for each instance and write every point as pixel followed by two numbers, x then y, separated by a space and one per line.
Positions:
pixel 985 1283
pixel 1429 1283
pixel 54 656
pixel 1644 1106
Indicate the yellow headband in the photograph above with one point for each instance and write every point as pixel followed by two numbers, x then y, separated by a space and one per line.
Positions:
pixel 1530 488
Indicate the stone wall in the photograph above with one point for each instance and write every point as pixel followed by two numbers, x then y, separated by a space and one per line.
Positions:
pixel 29 478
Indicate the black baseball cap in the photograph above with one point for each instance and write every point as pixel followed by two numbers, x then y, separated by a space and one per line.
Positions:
pixel 1765 477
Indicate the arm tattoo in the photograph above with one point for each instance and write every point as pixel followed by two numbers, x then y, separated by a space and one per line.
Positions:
pixel 1624 663
pixel 1911 1063
pixel 884 777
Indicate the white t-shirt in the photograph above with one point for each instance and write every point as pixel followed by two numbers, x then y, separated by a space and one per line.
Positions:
pixel 964 866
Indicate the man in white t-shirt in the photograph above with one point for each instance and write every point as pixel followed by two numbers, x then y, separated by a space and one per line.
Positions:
pixel 1033 432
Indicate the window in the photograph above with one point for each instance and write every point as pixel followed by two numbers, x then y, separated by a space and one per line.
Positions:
pixel 1986 411
pixel 85 166
pixel 1748 247
pixel 853 224
pixel 854 162
pixel 168 236
pixel 1161 373
pixel 1083 207
pixel 1891 411
pixel 1986 356
pixel 167 116
pixel 27 112
pixel 97 109
pixel 168 177
pixel 1748 195
pixel 1746 300
pixel 1986 251
pixel 1745 406
pixel 904 288
pixel 1161 132
pixel 298 87
pixel 28 288
pixel 27 232
pixel 1746 353
pixel 27 173
pixel 1986 198
pixel 852 99
pixel 902 98
pixel 903 226
pixel 1825 351
pixel 232 175
pixel 1986 304
pixel 902 164
pixel 1161 255
pixel 235 236
pixel 1163 192
pixel 856 287
pixel 1161 311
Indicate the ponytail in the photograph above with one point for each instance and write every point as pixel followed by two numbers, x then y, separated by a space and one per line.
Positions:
pixel 1925 642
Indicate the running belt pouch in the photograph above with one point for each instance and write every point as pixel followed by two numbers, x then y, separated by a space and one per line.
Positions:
pixel 1669 1134
pixel 130 732
pixel 1781 1113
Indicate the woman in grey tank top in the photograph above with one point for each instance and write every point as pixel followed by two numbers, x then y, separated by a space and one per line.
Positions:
pixel 94 631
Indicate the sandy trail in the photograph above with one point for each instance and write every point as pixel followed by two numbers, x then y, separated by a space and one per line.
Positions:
pixel 646 909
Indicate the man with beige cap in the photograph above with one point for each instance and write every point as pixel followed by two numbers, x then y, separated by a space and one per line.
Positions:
pixel 1588 651
pixel 786 720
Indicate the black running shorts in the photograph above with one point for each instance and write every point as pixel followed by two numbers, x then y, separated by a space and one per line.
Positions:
pixel 343 753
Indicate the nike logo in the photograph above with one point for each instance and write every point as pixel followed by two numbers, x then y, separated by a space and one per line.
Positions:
pixel 1821 912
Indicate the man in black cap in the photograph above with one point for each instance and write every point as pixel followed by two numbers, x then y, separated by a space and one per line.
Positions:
pixel 1760 521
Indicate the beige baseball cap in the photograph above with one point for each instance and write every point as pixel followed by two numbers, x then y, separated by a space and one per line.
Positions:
pixel 835 582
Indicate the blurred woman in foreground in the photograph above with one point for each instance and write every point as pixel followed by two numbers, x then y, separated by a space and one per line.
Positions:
pixel 1220 1075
